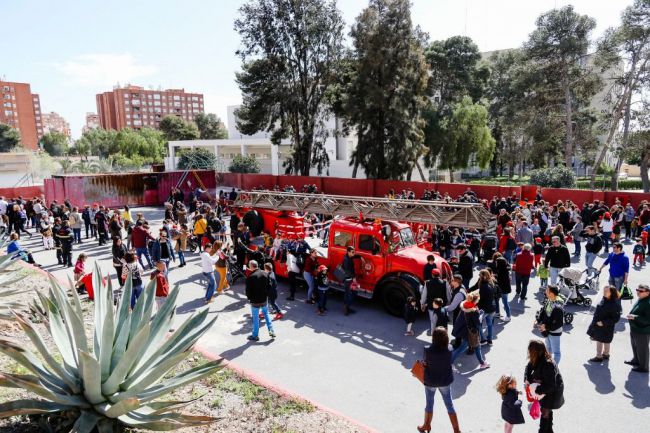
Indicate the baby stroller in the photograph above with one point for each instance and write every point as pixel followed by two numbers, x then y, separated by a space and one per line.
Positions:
pixel 570 287
pixel 235 272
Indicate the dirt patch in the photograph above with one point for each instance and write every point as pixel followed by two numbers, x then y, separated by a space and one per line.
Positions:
pixel 238 404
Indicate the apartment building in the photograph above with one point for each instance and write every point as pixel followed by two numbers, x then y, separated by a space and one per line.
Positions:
pixel 136 107
pixel 54 122
pixel 21 109
pixel 92 122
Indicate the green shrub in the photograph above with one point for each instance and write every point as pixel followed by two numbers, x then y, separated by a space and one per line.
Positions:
pixel 201 159
pixel 553 177
pixel 244 164
pixel 622 184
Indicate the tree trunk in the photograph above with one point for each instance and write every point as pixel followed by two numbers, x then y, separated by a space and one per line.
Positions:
pixel 354 170
pixel 626 136
pixel 568 106
pixel 451 175
pixel 419 167
pixel 645 161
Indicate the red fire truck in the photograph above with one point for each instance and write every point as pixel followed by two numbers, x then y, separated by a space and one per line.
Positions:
pixel 390 263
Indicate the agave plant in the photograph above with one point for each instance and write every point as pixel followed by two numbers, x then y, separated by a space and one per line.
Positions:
pixel 8 277
pixel 115 380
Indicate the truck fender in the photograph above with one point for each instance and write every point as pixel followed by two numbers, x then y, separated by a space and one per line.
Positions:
pixel 410 281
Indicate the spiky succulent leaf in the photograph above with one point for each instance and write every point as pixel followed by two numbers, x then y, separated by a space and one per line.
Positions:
pixel 118 381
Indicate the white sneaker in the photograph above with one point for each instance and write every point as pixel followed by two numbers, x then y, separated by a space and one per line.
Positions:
pixel 484 366
pixel 506 319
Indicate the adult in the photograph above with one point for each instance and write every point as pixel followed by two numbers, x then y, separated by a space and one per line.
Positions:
pixel 524 234
pixel 607 228
pixel 134 270
pixel 66 238
pixel 628 217
pixel 551 320
pixel 639 319
pixel 601 329
pixel 163 251
pixel 429 266
pixel 500 268
pixel 619 266
pixel 593 245
pixel 487 289
pixel 458 296
pixel 507 244
pixel 114 226
pixel 577 238
pixel 524 264
pixel 465 264
pixel 350 273
pixel 207 267
pixel 220 266
pixel 75 220
pixel 200 227
pixel 434 288
pixel 139 238
pixel 557 258
pixel 119 252
pixel 101 222
pixel 293 271
pixel 309 274
pixel 438 376
pixel 466 330
pixel 85 215
pixel 257 292
pixel 543 372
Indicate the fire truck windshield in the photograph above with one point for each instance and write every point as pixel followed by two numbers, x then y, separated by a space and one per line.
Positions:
pixel 406 238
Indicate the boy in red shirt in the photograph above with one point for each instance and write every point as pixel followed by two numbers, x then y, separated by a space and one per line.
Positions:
pixel 162 285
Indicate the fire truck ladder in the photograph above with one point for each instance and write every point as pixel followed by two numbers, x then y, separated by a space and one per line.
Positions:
pixel 466 215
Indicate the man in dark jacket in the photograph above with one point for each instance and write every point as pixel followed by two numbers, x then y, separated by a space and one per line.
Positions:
pixel 257 292
pixel 593 245
pixel 65 237
pixel 434 288
pixel 348 269
pixel 465 264
pixel 557 258
pixel 551 321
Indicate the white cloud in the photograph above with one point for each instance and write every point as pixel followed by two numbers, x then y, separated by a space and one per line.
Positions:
pixel 103 69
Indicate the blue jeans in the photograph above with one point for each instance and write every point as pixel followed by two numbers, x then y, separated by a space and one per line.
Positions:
pixel 464 344
pixel 606 240
pixel 348 294
pixel 181 257
pixel 135 294
pixel 143 251
pixel 578 249
pixel 489 320
pixel 77 235
pixel 553 346
pixel 166 262
pixel 322 298
pixel 212 285
pixel 255 312
pixel 616 282
pixel 506 305
pixel 445 391
pixel 309 278
pixel 555 272
pixel 507 254
pixel 589 261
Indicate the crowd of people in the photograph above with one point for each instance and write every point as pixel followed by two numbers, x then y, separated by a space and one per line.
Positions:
pixel 532 240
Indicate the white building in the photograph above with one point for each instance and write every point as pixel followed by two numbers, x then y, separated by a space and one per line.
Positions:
pixel 271 156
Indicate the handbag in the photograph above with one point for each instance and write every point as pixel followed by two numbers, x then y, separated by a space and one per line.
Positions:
pixel 535 410
pixel 339 273
pixel 473 338
pixel 626 293
pixel 418 370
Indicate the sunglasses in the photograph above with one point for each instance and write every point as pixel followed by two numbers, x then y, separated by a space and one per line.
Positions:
pixel 642 290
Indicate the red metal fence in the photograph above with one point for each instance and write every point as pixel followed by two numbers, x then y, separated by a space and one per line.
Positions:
pixel 129 188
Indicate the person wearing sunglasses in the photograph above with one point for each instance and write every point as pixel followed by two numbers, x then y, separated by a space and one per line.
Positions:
pixel 639 318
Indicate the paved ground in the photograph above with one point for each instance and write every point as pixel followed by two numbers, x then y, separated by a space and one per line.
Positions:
pixel 359 365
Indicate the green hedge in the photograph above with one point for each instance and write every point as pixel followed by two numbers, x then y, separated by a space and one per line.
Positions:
pixel 622 184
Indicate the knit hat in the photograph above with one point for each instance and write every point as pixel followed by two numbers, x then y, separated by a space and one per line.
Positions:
pixel 608 215
pixel 435 272
pixel 538 239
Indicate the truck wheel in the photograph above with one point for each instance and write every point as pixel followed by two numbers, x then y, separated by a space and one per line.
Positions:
pixel 394 297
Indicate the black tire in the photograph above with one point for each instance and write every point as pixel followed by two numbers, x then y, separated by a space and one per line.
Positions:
pixel 192 247
pixel 568 318
pixel 587 302
pixel 394 296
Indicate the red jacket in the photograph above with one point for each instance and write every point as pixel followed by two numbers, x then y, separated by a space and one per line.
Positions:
pixel 311 264
pixel 162 285
pixel 139 237
pixel 524 263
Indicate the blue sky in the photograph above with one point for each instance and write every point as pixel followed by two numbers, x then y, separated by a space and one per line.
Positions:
pixel 70 50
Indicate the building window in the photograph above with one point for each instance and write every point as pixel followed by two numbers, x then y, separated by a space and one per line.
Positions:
pixel 156 96
pixel 126 96
pixel 37 112
pixel 9 113
pixel 156 103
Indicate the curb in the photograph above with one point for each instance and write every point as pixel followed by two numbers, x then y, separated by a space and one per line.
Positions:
pixel 245 373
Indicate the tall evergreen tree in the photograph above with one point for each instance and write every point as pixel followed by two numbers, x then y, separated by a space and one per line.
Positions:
pixel 387 90
pixel 290 50
pixel 9 137
pixel 210 126
pixel 558 49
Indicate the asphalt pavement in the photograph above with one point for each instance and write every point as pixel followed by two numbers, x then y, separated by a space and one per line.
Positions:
pixel 359 365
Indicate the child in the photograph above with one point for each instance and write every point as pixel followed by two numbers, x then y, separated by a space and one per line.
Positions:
pixel 46 232
pixel 322 286
pixel 410 312
pixel 639 253
pixel 538 251
pixel 440 317
pixel 162 285
pixel 79 267
pixel 273 291
pixel 510 403
pixel 543 273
